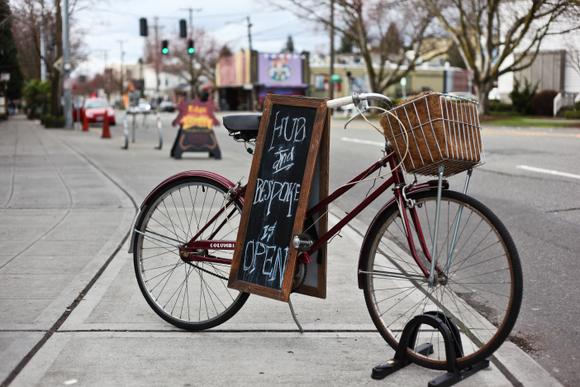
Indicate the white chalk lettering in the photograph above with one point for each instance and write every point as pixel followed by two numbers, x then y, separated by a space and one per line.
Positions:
pixel 268 191
pixel 299 129
pixel 294 134
pixel 285 160
pixel 272 258
pixel 268 232
pixel 249 253
pixel 276 268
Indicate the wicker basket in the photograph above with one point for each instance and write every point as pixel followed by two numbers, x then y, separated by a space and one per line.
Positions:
pixel 442 130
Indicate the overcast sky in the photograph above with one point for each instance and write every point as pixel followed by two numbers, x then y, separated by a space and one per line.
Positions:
pixel 108 23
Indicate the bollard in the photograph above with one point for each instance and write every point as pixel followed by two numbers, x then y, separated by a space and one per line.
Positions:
pixel 85 123
pixel 106 132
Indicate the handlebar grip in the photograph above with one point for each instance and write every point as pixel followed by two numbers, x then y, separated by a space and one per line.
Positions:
pixel 334 103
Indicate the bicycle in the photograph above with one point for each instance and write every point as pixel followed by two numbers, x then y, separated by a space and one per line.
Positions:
pixel 467 267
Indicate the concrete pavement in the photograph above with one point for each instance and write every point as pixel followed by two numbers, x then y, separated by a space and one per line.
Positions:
pixel 71 312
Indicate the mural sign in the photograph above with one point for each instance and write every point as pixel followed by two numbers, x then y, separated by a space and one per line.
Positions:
pixel 280 70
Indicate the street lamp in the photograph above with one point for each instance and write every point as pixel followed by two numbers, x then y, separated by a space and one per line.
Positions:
pixel 403 84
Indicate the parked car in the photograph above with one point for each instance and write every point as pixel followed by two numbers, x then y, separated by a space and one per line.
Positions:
pixel 166 106
pixel 464 94
pixel 142 107
pixel 95 109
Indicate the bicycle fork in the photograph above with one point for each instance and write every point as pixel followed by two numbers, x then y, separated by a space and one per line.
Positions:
pixel 434 274
pixel 457 221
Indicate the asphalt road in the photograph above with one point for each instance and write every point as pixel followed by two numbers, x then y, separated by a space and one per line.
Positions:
pixel 531 180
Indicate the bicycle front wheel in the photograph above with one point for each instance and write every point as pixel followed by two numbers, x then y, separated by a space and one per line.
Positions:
pixel 479 278
pixel 191 295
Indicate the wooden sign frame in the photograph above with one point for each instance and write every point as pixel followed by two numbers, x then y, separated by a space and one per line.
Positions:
pixel 315 283
pixel 237 272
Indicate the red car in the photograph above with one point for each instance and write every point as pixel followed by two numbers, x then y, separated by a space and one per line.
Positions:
pixel 95 109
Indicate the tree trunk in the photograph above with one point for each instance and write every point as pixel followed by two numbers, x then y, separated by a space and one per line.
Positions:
pixel 56 108
pixel 482 92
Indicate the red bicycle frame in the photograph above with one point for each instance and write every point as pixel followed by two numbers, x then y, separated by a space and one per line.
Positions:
pixel 190 251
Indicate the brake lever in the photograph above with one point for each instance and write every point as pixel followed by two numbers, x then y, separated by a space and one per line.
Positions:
pixel 362 106
pixel 350 119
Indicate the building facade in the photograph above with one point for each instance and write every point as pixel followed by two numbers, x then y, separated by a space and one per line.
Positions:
pixel 244 79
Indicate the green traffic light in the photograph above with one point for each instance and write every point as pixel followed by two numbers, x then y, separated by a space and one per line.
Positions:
pixel 164 51
pixel 190 50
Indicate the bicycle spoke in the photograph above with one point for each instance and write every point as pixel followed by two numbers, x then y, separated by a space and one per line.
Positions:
pixel 479 286
pixel 193 294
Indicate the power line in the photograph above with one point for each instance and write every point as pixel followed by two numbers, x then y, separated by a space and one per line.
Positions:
pixel 223 15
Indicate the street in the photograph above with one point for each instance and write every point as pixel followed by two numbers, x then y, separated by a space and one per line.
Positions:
pixel 89 173
pixel 541 212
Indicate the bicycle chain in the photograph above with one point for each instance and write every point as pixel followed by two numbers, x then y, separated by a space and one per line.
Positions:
pixel 208 272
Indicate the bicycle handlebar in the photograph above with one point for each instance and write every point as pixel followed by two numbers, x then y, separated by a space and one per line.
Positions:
pixel 334 103
pixel 356 99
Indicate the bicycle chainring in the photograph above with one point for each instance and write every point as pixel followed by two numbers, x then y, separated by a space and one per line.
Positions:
pixel 299 276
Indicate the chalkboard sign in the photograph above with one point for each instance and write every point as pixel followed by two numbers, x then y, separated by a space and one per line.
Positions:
pixel 277 195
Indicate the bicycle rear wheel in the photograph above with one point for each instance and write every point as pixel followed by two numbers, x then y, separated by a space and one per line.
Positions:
pixel 191 295
pixel 481 291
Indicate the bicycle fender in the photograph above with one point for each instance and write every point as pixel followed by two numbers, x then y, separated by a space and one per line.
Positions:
pixel 428 186
pixel 198 173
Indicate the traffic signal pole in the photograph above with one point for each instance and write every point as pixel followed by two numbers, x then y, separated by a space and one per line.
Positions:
pixel 157 59
pixel 67 84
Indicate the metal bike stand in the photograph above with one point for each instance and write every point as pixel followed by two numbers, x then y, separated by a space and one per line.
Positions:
pixel 160 131
pixel 294 316
pixel 133 129
pixel 453 349
pixel 126 131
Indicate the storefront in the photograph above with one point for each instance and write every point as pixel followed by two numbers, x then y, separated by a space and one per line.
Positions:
pixel 243 80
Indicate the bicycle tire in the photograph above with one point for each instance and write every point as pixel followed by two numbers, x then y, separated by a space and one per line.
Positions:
pixel 482 292
pixel 190 295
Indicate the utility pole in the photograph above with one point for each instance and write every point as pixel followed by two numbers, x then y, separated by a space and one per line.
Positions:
pixel 157 58
pixel 249 33
pixel 331 84
pixel 42 46
pixel 68 123
pixel 122 64
pixel 191 11
pixel 191 67
pixel 106 81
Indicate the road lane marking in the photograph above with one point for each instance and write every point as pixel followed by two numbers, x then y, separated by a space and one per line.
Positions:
pixel 511 132
pixel 359 141
pixel 548 171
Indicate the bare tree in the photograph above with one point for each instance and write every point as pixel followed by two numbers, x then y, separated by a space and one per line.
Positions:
pixel 392 37
pixel 29 15
pixel 490 33
pixel 193 67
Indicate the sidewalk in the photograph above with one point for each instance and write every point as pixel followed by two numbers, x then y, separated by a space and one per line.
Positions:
pixel 67 201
